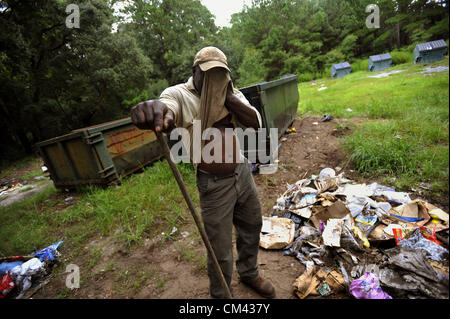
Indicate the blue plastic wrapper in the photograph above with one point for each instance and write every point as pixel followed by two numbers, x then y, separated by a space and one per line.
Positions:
pixel 6 266
pixel 48 253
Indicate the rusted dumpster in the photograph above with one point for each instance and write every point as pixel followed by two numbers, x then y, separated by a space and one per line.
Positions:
pixel 98 155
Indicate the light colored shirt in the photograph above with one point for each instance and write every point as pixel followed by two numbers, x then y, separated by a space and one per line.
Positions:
pixel 184 101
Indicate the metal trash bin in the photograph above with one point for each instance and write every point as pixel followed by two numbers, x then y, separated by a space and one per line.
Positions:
pixel 99 154
pixel 277 102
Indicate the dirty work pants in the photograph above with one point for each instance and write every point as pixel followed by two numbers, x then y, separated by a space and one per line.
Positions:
pixel 227 201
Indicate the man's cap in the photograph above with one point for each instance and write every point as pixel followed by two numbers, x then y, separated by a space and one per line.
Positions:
pixel 210 57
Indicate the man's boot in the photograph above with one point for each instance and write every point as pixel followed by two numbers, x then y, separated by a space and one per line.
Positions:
pixel 262 286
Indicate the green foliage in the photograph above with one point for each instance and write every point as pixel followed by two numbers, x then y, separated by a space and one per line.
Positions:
pixel 251 71
pixel 400 57
pixel 360 65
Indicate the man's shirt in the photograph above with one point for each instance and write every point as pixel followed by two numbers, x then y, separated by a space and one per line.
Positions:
pixel 184 101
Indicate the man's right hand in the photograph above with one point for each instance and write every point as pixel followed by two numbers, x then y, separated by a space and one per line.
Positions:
pixel 153 115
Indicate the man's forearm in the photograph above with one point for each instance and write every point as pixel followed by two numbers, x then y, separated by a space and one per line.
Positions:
pixel 244 114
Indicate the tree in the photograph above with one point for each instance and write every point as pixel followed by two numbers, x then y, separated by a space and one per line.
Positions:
pixel 54 79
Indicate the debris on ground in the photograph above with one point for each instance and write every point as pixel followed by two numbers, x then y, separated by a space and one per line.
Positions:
pixel 327 118
pixel 385 74
pixel 374 241
pixel 429 70
pixel 21 276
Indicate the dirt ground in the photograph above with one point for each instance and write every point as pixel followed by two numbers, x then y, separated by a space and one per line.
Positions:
pixel 160 269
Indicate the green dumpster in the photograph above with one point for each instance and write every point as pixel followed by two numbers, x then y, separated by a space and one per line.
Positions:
pixel 98 155
pixel 277 102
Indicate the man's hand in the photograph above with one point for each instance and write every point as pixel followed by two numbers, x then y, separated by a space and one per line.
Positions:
pixel 153 115
pixel 244 114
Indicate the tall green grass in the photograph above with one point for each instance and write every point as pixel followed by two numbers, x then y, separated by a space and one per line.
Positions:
pixel 143 205
pixel 406 131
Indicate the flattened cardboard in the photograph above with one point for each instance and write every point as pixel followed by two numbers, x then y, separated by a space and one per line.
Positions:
pixel 337 210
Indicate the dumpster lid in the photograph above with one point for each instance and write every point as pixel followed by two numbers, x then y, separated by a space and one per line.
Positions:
pixel 104 126
pixel 380 57
pixel 340 66
pixel 432 45
pixel 261 86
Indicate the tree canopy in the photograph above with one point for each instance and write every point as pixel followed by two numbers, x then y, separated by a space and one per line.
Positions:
pixel 54 79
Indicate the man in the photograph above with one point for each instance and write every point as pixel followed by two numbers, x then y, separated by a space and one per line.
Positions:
pixel 228 194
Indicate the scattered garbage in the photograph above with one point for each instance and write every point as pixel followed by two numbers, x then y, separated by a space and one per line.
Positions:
pixel 327 118
pixel 69 201
pixel 291 130
pixel 48 253
pixel 6 285
pixel 385 74
pixel 268 169
pixel 321 88
pixel 7 190
pixel 370 237
pixel 318 281
pixel 20 273
pixel 435 69
pixel 368 287
pixel 430 246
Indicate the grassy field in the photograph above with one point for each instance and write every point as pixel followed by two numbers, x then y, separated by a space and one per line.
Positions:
pixel 405 131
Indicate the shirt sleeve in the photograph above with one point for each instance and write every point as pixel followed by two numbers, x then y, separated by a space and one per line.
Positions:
pixel 247 103
pixel 170 98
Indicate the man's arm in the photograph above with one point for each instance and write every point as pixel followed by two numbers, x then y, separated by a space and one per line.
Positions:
pixel 244 114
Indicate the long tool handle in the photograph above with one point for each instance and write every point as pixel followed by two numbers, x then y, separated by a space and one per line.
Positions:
pixel 179 179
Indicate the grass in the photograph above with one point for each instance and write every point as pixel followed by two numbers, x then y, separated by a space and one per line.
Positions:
pixel 189 254
pixel 142 206
pixel 8 168
pixel 405 131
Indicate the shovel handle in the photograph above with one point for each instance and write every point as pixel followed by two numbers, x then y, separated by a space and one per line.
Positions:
pixel 179 179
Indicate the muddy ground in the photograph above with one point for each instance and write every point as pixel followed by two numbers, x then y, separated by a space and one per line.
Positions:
pixel 175 269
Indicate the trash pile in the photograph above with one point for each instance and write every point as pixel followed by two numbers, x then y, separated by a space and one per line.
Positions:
pixel 8 189
pixel 367 241
pixel 23 275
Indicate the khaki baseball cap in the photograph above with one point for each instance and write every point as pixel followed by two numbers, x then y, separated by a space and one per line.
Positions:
pixel 210 57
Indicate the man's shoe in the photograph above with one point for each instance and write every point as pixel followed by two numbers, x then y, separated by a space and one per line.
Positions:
pixel 263 287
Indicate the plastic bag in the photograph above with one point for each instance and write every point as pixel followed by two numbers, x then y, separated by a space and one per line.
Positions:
pixel 22 274
pixel 418 241
pixel 48 253
pixel 368 287
pixel 6 285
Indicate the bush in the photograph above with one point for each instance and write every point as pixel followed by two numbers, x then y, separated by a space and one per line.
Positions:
pixel 251 70
pixel 360 65
pixel 400 57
